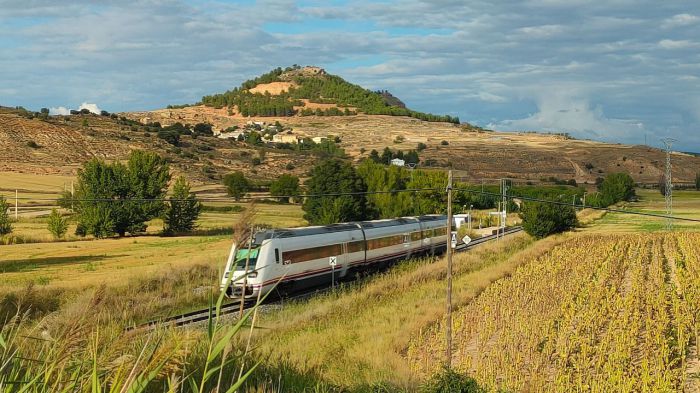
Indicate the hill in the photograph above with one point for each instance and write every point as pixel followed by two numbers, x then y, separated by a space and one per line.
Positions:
pixel 65 142
pixel 265 127
pixel 290 91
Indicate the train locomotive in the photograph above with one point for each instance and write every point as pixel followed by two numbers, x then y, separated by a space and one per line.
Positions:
pixel 291 260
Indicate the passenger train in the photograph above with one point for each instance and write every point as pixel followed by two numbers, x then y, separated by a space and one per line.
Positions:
pixel 298 258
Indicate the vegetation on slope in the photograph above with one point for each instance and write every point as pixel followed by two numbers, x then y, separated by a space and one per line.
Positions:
pixel 322 88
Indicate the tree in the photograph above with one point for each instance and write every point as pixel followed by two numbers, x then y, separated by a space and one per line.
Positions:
pixel 284 187
pixel 57 225
pixel 203 129
pixel 5 225
pixel 616 187
pixel 543 219
pixel 387 155
pixel 374 156
pixel 332 177
pixel 183 209
pixel 421 146
pixel 170 136
pixel 116 198
pixel 237 185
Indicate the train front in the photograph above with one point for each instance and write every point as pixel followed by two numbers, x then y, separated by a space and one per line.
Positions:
pixel 240 276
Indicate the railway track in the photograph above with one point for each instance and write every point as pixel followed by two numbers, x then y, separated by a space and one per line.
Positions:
pixel 230 308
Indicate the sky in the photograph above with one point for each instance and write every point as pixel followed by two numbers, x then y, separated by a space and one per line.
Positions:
pixel 614 70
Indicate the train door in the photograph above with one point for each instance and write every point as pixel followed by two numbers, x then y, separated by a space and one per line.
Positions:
pixel 343 261
pixel 407 244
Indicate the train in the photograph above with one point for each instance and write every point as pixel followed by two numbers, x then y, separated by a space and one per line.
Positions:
pixel 291 260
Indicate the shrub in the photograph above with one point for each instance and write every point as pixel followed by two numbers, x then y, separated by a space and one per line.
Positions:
pixel 57 225
pixel 289 166
pixel 5 225
pixel 256 161
pixel 450 381
pixel 543 219
pixel 33 145
pixel 421 146
pixel 444 143
pixel 399 139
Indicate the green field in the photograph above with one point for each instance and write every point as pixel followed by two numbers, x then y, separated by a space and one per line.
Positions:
pixel 686 204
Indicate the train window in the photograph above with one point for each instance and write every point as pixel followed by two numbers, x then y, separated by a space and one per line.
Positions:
pixel 308 254
pixel 277 255
pixel 382 242
pixel 356 246
pixel 415 236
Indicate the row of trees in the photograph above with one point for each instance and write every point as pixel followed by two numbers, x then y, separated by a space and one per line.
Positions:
pixel 411 156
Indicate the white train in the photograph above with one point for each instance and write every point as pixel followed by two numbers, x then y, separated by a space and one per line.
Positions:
pixel 293 259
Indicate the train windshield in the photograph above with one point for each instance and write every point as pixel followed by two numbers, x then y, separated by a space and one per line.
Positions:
pixel 242 257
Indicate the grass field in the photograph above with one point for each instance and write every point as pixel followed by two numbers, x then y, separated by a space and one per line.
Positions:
pixel 685 204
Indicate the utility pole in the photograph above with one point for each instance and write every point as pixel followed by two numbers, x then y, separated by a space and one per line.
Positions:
pixel 72 194
pixel 504 205
pixel 448 319
pixel 16 204
pixel 668 192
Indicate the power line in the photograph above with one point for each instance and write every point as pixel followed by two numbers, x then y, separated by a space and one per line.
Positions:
pixel 560 203
pixel 496 195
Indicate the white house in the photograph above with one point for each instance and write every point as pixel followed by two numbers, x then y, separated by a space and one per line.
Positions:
pixel 284 138
pixel 398 162
pixel 228 135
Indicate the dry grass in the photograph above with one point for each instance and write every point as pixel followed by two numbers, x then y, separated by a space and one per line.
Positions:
pixel 359 336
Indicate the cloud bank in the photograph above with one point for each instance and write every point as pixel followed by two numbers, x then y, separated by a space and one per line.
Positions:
pixel 614 70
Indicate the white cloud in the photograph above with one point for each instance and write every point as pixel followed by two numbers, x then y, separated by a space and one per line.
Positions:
pixel 680 20
pixel 61 110
pixel 91 107
pixel 561 113
pixel 676 44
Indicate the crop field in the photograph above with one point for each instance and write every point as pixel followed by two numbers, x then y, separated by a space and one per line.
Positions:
pixel 599 313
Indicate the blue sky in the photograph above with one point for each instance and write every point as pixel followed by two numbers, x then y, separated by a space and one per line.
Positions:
pixel 615 70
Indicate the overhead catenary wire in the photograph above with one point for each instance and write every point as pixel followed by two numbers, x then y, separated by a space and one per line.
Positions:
pixel 356 193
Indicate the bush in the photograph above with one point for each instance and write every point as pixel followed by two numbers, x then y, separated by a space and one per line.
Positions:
pixel 444 143
pixel 5 225
pixel 450 381
pixel 421 146
pixel 543 219
pixel 399 139
pixel 57 225
pixel 33 145
pixel 289 166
